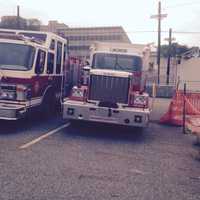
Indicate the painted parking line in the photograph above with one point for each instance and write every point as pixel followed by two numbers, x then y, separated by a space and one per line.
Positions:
pixel 24 146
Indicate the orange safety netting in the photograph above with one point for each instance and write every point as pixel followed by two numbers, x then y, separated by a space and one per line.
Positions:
pixel 174 114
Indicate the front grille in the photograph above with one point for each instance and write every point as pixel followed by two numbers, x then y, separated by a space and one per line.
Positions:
pixel 109 89
pixel 8 87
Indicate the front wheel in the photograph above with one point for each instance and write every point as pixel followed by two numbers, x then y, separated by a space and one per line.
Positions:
pixel 48 106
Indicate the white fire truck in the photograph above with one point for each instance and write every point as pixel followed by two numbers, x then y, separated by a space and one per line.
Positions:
pixel 31 72
pixel 112 90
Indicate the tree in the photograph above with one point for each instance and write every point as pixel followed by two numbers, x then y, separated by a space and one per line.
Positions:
pixel 33 24
pixel 176 50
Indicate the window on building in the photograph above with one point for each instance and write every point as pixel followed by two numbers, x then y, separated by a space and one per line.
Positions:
pixel 76 48
pixel 50 63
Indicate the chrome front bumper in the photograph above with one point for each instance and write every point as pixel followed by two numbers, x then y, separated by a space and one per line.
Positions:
pixel 123 116
pixel 12 111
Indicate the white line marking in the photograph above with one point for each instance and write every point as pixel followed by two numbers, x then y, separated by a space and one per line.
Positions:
pixel 43 136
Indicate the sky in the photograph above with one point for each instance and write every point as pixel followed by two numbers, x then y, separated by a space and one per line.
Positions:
pixel 133 15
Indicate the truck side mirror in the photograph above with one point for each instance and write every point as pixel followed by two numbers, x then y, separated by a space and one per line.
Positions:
pixel 87 63
pixel 86 68
pixel 86 75
pixel 179 60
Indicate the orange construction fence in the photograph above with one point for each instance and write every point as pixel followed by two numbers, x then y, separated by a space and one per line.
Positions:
pixel 174 114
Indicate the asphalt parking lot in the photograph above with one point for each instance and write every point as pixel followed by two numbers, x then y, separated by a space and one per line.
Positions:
pixel 52 159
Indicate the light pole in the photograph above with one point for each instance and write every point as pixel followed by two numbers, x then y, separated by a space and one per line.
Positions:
pixel 159 17
pixel 18 17
pixel 170 39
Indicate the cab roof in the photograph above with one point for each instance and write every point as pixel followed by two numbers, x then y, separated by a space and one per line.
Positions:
pixel 119 48
pixel 41 38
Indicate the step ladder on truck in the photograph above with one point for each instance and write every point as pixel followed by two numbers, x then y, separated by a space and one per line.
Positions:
pixel 112 89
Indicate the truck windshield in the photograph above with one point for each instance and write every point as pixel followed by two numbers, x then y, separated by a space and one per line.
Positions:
pixel 117 62
pixel 16 56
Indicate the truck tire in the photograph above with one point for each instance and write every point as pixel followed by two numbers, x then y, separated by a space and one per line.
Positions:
pixel 48 106
pixel 198 140
pixel 139 130
pixel 76 123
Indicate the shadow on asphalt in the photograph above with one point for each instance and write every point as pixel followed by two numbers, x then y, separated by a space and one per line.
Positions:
pixel 87 130
pixel 91 130
pixel 16 127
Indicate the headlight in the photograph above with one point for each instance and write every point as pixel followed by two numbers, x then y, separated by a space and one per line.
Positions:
pixel 78 93
pixel 17 92
pixel 11 96
pixel 23 92
pixel 7 95
pixel 141 100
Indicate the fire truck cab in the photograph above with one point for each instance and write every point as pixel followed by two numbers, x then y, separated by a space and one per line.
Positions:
pixel 31 71
pixel 112 90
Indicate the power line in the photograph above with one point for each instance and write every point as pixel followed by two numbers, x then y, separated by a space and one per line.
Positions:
pixel 131 32
pixel 182 4
pixel 186 32
pixel 152 31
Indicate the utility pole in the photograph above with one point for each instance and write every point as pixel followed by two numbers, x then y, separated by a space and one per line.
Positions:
pixel 184 108
pixel 159 17
pixel 18 17
pixel 169 54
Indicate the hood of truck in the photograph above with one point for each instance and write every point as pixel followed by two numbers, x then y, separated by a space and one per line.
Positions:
pixel 4 74
pixel 14 77
pixel 113 73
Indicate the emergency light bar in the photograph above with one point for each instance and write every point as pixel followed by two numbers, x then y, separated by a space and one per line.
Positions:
pixel 14 36
pixel 11 36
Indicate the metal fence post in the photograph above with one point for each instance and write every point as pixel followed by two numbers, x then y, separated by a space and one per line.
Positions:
pixel 184 109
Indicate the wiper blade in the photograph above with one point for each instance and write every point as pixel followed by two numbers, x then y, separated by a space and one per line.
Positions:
pixel 117 64
pixel 12 67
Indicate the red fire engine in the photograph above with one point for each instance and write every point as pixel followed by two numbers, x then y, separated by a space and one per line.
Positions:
pixel 31 72
pixel 112 90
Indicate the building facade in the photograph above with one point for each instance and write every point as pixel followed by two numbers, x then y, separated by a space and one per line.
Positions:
pixel 80 39
pixel 53 26
pixel 17 22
